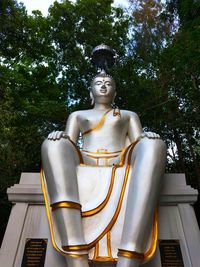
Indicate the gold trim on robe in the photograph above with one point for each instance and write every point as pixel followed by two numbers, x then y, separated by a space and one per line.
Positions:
pixel 67 249
pixel 98 125
pixel 66 204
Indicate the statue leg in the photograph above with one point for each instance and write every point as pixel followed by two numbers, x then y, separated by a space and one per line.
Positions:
pixel 147 168
pixel 60 159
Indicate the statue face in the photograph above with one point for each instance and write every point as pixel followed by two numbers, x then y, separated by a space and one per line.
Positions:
pixel 103 90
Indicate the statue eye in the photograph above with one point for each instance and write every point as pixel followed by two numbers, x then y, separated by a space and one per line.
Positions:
pixel 108 83
pixel 98 83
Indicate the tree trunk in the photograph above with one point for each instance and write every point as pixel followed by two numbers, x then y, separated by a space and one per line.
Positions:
pixel 181 163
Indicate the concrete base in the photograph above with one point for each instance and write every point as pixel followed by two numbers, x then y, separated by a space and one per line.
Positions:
pixel 28 219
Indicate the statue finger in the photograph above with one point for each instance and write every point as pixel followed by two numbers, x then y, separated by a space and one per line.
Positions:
pixel 50 136
pixel 148 134
pixel 156 136
pixel 54 136
pixel 59 135
pixel 151 135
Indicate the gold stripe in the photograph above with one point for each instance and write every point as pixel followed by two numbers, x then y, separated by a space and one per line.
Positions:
pixel 104 258
pixel 50 219
pixel 95 166
pixel 102 157
pixel 96 256
pixel 130 254
pixel 98 125
pixel 76 255
pixel 124 153
pixel 66 204
pixel 78 151
pixel 115 216
pixel 152 249
pixel 109 250
pixel 101 152
pixel 103 204
pixel 48 212
pixel 154 240
pixel 149 253
pixel 122 160
pixel 96 252
pixel 75 248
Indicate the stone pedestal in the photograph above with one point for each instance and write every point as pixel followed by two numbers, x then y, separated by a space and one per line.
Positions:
pixel 177 222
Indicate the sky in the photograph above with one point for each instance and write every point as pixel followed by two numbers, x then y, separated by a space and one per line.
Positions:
pixel 43 5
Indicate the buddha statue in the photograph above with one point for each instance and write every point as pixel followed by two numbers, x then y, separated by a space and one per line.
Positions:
pixel 112 139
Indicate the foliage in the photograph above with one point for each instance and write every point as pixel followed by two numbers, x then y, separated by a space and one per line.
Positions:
pixel 45 72
pixel 165 46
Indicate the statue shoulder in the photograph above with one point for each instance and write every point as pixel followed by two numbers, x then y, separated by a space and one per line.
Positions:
pixel 74 114
pixel 78 114
pixel 129 113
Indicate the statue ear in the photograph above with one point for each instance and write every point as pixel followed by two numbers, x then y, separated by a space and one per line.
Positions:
pixel 114 97
pixel 92 98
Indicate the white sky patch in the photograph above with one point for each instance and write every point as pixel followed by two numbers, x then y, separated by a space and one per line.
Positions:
pixel 121 3
pixel 43 5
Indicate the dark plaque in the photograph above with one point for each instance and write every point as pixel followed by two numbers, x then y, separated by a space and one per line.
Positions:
pixel 34 252
pixel 170 253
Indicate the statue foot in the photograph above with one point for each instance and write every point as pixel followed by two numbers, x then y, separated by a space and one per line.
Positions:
pixel 77 262
pixel 127 262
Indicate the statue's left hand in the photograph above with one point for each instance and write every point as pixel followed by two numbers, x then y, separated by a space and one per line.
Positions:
pixel 150 135
pixel 57 135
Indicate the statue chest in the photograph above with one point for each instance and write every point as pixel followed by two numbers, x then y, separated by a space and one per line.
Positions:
pixel 112 123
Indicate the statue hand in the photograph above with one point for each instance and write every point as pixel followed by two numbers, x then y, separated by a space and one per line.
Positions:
pixel 149 135
pixel 57 135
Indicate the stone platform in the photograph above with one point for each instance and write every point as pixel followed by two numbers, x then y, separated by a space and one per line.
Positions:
pixel 177 223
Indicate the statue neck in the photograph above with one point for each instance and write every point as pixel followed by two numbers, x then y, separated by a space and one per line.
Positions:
pixel 98 106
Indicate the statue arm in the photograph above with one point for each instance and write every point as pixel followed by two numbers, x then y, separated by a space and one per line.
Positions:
pixel 135 131
pixel 72 127
pixel 71 130
pixel 135 127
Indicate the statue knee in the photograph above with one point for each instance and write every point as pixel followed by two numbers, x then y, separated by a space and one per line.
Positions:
pixel 159 146
pixel 50 147
pixel 151 148
pixel 44 146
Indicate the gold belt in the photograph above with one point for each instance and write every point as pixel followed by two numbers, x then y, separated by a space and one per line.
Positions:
pixel 102 156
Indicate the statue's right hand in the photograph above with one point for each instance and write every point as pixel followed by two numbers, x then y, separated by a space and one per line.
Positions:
pixel 56 135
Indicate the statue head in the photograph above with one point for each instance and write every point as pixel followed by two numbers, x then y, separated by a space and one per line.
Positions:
pixel 103 89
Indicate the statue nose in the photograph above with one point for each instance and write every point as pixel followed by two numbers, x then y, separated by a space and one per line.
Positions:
pixel 103 86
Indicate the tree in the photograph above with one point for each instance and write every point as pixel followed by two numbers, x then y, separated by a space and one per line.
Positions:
pixel 45 72
pixel 164 40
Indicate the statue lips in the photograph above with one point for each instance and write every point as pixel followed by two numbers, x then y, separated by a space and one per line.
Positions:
pixel 103 90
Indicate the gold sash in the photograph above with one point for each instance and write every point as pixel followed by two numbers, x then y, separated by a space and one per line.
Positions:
pixel 98 125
